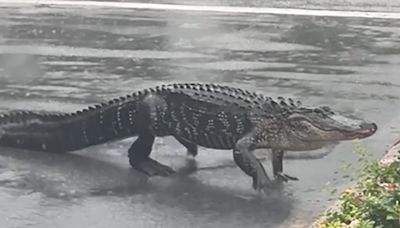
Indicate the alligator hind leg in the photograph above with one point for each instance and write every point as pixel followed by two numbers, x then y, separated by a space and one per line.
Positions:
pixel 139 157
pixel 248 163
pixel 140 150
pixel 277 166
pixel 191 147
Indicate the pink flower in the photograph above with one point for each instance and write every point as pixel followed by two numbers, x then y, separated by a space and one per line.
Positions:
pixel 359 198
pixel 387 161
pixel 392 187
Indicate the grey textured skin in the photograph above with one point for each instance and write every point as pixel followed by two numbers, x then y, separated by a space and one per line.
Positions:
pixel 206 115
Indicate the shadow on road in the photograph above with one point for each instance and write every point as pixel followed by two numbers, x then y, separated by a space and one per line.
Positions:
pixel 50 174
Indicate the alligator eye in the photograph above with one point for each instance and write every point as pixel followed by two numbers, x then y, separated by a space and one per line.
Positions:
pixel 320 112
pixel 327 109
pixel 317 111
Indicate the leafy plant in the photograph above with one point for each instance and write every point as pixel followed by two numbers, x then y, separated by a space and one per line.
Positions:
pixel 374 202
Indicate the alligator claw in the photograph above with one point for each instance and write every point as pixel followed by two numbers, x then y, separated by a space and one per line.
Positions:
pixel 285 178
pixel 261 182
pixel 260 185
pixel 151 167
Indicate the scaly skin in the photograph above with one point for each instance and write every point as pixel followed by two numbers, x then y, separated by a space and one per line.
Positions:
pixel 206 115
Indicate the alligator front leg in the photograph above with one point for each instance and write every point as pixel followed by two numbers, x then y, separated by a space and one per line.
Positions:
pixel 248 163
pixel 277 166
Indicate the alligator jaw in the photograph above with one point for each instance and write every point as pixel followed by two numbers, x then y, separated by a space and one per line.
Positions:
pixel 365 131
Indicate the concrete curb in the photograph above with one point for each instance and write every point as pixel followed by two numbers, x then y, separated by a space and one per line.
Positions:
pixel 392 155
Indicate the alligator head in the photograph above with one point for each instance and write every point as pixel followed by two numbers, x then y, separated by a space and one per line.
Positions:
pixel 315 128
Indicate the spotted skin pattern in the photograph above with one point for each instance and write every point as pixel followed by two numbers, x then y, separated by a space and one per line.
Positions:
pixel 207 115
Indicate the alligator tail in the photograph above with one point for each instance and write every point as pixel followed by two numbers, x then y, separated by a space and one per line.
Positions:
pixel 63 132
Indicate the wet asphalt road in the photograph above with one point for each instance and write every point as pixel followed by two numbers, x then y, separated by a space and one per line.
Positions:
pixel 65 59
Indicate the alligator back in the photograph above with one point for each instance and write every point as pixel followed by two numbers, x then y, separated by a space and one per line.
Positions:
pixel 216 116
pixel 211 115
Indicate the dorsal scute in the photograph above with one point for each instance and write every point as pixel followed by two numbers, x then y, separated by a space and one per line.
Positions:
pixel 245 97
pixel 21 116
pixel 221 94
pixel 291 102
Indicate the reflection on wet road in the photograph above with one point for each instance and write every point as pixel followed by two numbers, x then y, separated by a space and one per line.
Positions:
pixel 65 59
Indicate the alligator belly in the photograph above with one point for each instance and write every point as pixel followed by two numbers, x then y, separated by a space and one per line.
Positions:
pixel 209 139
pixel 215 141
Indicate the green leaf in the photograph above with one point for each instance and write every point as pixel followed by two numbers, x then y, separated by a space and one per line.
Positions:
pixel 390 217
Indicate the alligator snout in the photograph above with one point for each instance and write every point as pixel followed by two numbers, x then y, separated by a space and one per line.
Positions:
pixel 369 127
pixel 365 130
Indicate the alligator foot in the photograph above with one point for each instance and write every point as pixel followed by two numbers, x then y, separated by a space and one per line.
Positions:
pixel 151 167
pixel 261 181
pixel 285 178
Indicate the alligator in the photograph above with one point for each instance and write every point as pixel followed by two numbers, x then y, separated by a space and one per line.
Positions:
pixel 195 114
